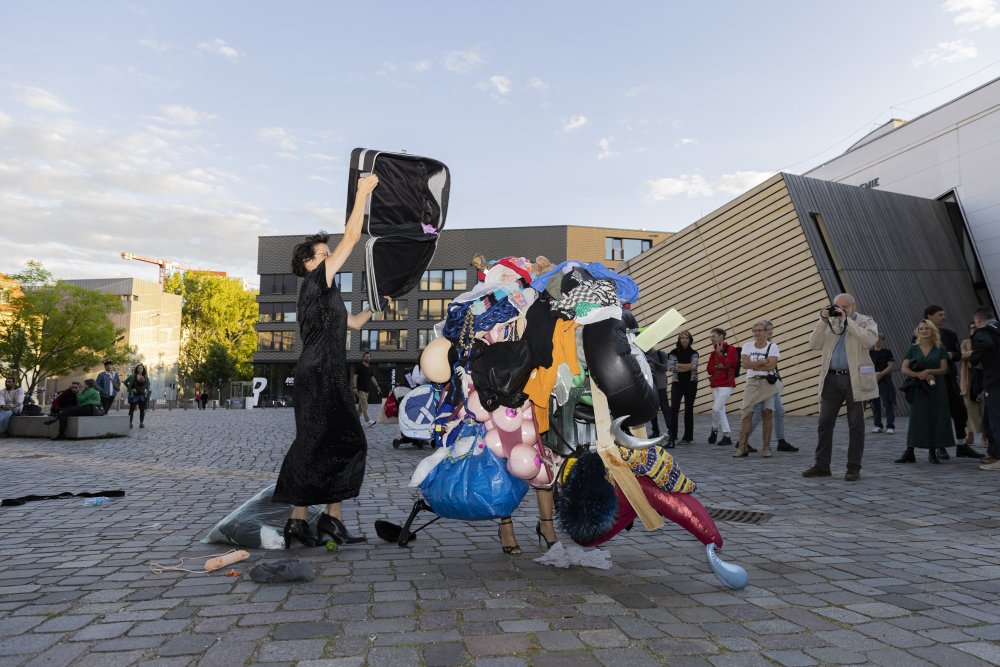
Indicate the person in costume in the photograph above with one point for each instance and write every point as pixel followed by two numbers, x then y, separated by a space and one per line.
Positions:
pixel 139 391
pixel 326 462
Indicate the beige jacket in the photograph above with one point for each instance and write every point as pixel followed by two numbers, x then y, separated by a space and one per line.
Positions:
pixel 861 334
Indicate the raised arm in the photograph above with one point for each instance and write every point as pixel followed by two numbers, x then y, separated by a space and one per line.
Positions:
pixel 352 229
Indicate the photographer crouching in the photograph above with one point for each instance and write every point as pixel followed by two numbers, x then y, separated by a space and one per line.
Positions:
pixel 846 376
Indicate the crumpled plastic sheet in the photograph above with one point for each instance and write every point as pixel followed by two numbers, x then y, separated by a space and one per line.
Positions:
pixel 560 555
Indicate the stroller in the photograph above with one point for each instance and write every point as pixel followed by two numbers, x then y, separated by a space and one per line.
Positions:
pixel 416 415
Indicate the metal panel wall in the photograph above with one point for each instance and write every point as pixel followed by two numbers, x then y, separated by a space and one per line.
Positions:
pixel 895 253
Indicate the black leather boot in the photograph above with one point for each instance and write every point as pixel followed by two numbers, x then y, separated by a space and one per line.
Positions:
pixel 332 528
pixel 907 457
pixel 298 529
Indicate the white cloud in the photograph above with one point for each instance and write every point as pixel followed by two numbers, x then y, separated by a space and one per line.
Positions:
pixel 220 47
pixel 43 100
pixel 421 66
pixel 685 141
pixel 538 85
pixel 741 181
pixel 98 192
pixel 499 85
pixel 177 113
pixel 692 186
pixel 663 189
pixel 156 45
pixel 947 52
pixel 605 146
pixel 974 14
pixel 5 121
pixel 636 91
pixel 574 123
pixel 462 62
pixel 279 136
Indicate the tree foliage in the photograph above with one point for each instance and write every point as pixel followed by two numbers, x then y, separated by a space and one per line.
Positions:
pixel 217 316
pixel 218 368
pixel 52 328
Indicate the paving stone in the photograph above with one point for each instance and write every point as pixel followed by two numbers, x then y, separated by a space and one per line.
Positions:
pixel 790 658
pixel 567 659
pixel 299 649
pixel 444 654
pixel 506 644
pixel 27 644
pixel 60 655
pixel 186 645
pixel 306 631
pixel 624 657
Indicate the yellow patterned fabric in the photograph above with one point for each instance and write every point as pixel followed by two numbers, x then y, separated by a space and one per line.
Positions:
pixel 657 464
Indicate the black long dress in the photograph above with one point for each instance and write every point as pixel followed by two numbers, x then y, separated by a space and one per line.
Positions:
pixel 326 462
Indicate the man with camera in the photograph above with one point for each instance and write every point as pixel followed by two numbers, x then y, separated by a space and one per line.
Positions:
pixel 846 376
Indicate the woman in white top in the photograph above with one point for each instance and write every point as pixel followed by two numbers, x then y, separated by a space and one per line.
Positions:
pixel 759 359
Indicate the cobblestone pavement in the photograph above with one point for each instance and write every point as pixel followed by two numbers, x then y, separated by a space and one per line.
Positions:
pixel 899 568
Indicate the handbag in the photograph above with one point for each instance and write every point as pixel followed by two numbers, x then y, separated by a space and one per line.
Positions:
pixel 473 486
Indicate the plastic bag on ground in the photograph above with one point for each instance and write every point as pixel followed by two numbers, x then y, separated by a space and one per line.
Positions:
pixel 257 523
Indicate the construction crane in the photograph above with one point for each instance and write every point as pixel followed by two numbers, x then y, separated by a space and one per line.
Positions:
pixel 169 265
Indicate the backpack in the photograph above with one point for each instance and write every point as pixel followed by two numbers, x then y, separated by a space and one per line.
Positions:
pixel 739 361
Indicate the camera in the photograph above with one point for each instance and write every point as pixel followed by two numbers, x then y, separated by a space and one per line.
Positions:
pixel 833 311
pixel 772 379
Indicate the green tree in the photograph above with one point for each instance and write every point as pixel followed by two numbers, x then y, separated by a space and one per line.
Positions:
pixel 216 310
pixel 218 368
pixel 53 328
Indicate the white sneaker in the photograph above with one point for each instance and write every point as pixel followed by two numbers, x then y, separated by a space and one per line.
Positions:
pixel 877 429
pixel 372 423
pixel 990 466
pixel 890 431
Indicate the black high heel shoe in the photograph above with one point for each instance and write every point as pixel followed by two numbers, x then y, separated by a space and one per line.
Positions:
pixel 541 535
pixel 932 456
pixel 332 528
pixel 299 530
pixel 513 550
pixel 907 457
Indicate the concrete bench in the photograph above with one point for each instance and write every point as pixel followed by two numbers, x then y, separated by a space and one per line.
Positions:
pixel 76 427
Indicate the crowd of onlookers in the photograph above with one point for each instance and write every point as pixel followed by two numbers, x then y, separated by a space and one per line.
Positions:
pixel 92 397
pixel 946 380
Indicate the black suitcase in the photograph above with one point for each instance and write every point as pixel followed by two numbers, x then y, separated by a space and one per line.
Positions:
pixel 403 218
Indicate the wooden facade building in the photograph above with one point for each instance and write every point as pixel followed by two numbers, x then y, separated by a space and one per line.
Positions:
pixel 783 250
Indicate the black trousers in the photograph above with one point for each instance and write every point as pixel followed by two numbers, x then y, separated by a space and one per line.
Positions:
pixel 956 405
pixel 686 392
pixel 73 411
pixel 142 411
pixel 106 402
pixel 665 409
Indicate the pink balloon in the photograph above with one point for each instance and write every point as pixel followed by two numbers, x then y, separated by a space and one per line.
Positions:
pixel 489 423
pixel 507 419
pixel 509 440
pixel 524 462
pixel 528 432
pixel 473 405
pixel 492 439
pixel 543 478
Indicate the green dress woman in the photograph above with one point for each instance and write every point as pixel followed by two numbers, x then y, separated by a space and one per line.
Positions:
pixel 930 419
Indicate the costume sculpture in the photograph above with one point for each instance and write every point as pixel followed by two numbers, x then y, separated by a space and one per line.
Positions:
pixel 513 371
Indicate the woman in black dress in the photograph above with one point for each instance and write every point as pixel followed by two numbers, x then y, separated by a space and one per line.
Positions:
pixel 326 462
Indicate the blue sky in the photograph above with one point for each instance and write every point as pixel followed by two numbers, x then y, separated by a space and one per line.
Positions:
pixel 186 129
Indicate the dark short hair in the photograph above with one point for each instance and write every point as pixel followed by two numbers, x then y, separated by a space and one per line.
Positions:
pixel 984 313
pixel 720 331
pixel 303 252
pixel 931 309
pixel 108 362
pixel 89 382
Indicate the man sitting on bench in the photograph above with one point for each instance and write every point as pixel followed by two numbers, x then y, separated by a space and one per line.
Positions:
pixel 87 402
pixel 65 399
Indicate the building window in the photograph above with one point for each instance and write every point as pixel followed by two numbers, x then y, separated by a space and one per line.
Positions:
pixel 443 279
pixel 432 309
pixel 278 283
pixel 383 339
pixel 424 336
pixel 275 341
pixel 396 311
pixel 344 281
pixel 623 249
pixel 276 312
